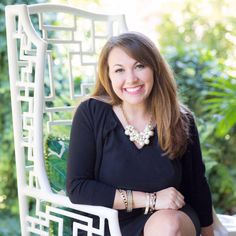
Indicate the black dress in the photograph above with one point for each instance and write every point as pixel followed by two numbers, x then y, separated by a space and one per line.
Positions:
pixel 102 159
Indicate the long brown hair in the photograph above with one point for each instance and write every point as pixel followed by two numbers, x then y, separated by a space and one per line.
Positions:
pixel 170 115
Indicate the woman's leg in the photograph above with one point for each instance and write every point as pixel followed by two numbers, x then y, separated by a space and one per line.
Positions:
pixel 169 223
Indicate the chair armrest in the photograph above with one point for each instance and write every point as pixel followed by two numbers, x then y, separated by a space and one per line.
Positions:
pixel 63 201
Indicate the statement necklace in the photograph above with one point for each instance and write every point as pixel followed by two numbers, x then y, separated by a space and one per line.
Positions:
pixel 141 138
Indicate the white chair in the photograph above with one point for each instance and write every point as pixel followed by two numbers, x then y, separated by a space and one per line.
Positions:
pixel 52 52
pixel 52 49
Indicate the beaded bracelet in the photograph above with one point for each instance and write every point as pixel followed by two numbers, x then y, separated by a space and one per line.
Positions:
pixel 124 198
pixel 153 198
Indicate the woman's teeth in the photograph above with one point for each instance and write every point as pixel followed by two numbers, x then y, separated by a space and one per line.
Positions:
pixel 133 89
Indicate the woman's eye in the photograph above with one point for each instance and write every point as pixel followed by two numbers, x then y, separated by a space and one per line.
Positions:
pixel 139 66
pixel 119 70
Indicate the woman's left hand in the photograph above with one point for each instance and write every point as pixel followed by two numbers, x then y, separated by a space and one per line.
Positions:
pixel 169 198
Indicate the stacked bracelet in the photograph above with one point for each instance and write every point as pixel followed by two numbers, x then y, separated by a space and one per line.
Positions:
pixel 150 203
pixel 124 198
pixel 147 203
pixel 129 200
pixel 153 198
pixel 127 197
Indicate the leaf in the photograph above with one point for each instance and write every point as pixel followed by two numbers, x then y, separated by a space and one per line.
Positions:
pixel 227 122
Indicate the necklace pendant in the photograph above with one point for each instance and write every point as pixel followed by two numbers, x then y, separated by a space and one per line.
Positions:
pixel 142 138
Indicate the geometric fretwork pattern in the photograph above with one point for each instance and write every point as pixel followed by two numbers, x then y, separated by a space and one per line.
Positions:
pixel 25 84
pixel 74 42
pixel 54 220
pixel 52 55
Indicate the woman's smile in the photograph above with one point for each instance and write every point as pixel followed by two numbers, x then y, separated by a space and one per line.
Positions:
pixel 135 90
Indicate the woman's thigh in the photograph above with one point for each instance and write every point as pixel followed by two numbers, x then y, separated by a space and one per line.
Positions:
pixel 169 223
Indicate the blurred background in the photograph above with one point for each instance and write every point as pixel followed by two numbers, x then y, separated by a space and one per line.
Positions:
pixel 198 39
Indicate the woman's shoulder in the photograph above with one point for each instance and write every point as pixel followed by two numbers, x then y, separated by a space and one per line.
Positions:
pixel 98 113
pixel 189 121
pixel 95 103
pixel 94 107
pixel 187 115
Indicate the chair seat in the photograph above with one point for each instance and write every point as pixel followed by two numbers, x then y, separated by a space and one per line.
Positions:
pixel 229 222
pixel 224 225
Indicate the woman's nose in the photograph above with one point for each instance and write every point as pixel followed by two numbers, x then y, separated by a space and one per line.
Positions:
pixel 131 76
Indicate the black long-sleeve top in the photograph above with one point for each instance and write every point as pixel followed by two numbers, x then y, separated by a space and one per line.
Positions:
pixel 102 159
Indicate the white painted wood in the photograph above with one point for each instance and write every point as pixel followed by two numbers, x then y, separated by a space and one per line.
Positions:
pixel 33 68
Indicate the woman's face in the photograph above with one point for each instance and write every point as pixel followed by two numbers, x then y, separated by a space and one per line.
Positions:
pixel 131 80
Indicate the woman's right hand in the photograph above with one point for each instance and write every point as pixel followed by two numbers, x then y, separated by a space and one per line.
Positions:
pixel 169 198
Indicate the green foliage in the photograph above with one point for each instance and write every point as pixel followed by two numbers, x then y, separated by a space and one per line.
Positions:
pixel 217 169
pixel 222 187
pixel 12 223
pixel 194 68
pixel 200 53
pixel 8 189
pixel 221 100
pixel 192 65
pixel 193 73
pixel 203 23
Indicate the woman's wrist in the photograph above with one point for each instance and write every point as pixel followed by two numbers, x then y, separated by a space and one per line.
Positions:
pixel 139 199
pixel 207 231
pixel 147 201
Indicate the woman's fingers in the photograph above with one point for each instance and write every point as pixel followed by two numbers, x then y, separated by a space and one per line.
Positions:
pixel 169 198
pixel 180 200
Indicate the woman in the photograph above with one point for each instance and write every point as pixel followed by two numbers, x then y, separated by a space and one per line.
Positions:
pixel 134 147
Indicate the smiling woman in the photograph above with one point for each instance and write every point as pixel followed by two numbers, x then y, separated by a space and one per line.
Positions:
pixel 155 177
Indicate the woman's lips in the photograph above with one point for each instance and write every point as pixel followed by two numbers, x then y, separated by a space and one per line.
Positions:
pixel 134 90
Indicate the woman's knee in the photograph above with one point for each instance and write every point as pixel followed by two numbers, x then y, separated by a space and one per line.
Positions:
pixel 163 222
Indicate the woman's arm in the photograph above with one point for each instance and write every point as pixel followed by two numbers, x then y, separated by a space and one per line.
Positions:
pixel 194 184
pixel 139 200
pixel 207 231
pixel 168 198
pixel 82 186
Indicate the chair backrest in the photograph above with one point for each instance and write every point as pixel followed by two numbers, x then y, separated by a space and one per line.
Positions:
pixel 52 51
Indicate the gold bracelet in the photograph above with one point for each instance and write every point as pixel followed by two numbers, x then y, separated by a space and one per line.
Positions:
pixel 147 203
pixel 124 198
pixel 152 202
pixel 129 200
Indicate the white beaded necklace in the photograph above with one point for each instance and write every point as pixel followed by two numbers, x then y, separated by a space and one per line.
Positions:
pixel 142 137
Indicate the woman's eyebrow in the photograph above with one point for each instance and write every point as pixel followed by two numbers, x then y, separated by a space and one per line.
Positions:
pixel 116 65
pixel 136 62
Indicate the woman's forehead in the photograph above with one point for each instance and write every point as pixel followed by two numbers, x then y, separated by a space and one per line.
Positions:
pixel 132 53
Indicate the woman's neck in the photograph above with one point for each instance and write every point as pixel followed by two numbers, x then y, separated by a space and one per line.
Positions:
pixel 136 115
